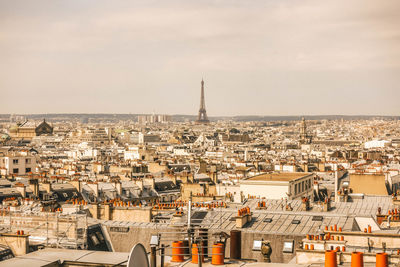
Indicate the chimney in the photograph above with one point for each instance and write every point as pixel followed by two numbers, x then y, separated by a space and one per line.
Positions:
pixel 19 243
pixel 139 183
pixel 191 178
pixel 34 186
pixel 118 186
pixel 215 177
pixel 306 167
pixel 174 179
pixel 76 184
pixel 330 258
pixel 382 259
pixel 336 185
pixel 47 187
pixel 203 167
pixel 21 188
pixel 94 187
pixel 357 259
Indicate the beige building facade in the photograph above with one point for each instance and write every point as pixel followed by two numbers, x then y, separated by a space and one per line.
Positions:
pixel 278 185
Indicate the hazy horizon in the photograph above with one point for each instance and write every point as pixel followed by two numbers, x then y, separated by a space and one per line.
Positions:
pixel 195 115
pixel 258 58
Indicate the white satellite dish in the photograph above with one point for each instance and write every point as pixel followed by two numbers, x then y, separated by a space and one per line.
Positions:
pixel 138 257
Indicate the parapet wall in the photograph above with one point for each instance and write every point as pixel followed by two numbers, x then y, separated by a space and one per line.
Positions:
pixel 124 238
pixel 128 214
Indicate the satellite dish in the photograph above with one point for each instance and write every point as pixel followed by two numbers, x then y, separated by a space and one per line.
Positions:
pixel 138 257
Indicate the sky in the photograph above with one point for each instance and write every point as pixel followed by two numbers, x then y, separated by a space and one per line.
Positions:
pixel 269 57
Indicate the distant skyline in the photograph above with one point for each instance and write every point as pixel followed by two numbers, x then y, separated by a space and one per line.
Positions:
pixel 267 58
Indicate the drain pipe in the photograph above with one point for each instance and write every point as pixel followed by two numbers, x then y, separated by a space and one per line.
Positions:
pixel 189 214
pixel 336 185
pixel 388 221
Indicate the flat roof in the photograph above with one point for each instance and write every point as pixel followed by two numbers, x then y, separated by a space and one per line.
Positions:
pixel 280 177
pixel 52 255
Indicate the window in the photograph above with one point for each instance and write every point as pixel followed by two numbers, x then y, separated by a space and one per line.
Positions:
pixel 257 245
pixel 28 170
pixel 267 220
pixel 27 161
pixel 99 236
pixel 15 161
pixel 317 218
pixel 15 170
pixel 288 246
pixel 94 239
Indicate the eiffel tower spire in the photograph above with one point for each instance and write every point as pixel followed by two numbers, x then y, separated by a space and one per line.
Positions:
pixel 202 117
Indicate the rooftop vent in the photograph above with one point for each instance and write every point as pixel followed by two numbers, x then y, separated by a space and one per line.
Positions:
pixel 317 218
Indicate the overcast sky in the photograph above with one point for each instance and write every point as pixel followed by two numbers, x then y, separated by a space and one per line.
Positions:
pixel 269 57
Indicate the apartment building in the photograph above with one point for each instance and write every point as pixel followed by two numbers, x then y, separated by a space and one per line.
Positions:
pixel 18 163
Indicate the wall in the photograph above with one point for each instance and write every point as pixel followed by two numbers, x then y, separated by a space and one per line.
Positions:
pixel 156 167
pixel 313 256
pixel 222 190
pixel 361 239
pixel 369 184
pixel 38 222
pixel 19 244
pixel 128 214
pixel 195 189
pixel 263 190
pixel 21 165
pixel 209 190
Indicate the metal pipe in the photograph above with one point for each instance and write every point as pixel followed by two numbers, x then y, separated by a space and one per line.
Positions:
pixel 153 257
pixel 336 184
pixel 47 229
pixel 236 245
pixel 203 234
pixel 186 247
pixel 189 213
pixel 199 254
pixel 162 255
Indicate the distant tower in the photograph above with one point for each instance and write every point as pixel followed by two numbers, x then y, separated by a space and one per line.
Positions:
pixel 304 138
pixel 202 117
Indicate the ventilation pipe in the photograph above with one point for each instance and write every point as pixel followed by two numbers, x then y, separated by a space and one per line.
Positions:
pixel 236 245
pixel 381 260
pixel 357 259
pixel 330 258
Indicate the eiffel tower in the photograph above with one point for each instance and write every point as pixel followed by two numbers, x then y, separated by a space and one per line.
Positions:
pixel 202 117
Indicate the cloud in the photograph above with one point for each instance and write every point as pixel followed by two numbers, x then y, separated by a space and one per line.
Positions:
pixel 102 50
